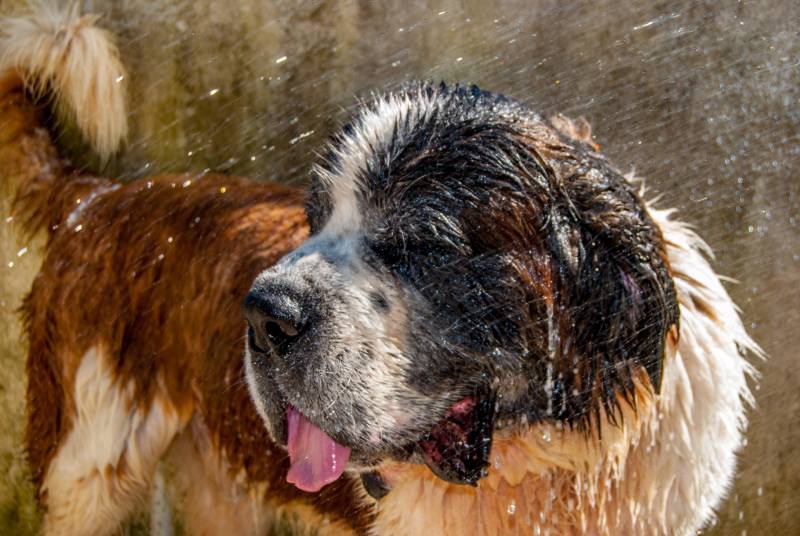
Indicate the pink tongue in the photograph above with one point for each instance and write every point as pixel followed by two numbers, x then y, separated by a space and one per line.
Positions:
pixel 316 459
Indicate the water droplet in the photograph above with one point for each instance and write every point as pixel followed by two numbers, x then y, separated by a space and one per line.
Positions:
pixel 213 92
pixel 222 190
pixel 512 507
pixel 22 252
pixel 300 137
pixel 281 59
pixel 78 228
pixel 169 240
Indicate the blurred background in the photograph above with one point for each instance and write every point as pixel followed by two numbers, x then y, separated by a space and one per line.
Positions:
pixel 701 98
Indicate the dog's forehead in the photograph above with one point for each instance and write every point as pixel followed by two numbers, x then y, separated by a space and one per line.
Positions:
pixel 390 144
pixel 361 152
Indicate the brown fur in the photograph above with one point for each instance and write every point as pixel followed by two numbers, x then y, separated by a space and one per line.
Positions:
pixel 154 271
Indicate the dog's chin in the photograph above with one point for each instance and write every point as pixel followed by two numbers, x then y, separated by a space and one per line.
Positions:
pixel 455 447
pixel 278 411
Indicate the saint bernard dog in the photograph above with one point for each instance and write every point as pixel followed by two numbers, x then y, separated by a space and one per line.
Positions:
pixel 469 323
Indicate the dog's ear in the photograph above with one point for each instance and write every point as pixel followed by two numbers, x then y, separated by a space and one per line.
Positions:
pixel 614 298
pixel 457 448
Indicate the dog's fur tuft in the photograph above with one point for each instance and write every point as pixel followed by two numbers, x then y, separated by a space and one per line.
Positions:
pixel 63 55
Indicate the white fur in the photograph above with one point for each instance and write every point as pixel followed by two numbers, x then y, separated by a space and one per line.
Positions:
pixel 704 391
pixel 106 463
pixel 56 49
pixel 252 385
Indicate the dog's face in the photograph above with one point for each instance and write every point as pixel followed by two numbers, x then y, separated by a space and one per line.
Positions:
pixel 469 267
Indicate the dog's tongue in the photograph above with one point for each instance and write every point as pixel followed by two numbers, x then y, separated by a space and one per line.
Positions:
pixel 316 459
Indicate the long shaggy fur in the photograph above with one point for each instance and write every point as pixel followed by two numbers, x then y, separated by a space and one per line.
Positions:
pixel 663 471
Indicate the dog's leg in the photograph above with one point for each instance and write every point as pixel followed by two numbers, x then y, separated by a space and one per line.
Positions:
pixel 160 510
pixel 209 500
pixel 106 462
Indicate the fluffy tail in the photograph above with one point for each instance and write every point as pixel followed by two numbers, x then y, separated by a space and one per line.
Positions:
pixel 53 55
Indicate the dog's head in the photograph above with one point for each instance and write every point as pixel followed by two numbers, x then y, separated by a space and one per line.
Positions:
pixel 470 266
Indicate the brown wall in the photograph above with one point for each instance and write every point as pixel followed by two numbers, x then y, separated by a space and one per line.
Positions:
pixel 700 97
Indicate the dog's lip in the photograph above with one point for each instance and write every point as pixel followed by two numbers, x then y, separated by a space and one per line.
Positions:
pixel 457 447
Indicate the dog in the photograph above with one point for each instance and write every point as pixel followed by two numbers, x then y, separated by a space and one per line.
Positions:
pixel 469 323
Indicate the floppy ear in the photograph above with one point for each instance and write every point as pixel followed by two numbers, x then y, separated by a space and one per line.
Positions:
pixel 613 292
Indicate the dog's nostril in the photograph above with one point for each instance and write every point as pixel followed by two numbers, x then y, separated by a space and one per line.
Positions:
pixel 280 333
pixel 275 318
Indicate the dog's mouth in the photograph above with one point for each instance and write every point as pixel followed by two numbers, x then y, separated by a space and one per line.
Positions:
pixel 456 449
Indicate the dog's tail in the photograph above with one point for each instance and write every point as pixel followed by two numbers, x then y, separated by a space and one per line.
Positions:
pixel 55 63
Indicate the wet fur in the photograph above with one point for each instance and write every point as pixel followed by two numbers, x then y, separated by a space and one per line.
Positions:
pixel 512 259
pixel 136 334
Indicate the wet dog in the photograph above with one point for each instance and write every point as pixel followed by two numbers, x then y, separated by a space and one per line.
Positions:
pixel 475 326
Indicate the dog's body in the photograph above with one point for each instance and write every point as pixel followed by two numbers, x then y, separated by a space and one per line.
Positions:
pixel 136 334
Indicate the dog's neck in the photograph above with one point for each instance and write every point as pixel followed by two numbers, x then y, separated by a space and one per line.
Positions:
pixel 541 477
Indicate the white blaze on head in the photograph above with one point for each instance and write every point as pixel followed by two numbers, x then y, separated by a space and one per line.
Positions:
pixel 390 117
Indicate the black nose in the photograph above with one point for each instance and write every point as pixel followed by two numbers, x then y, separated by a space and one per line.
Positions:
pixel 276 319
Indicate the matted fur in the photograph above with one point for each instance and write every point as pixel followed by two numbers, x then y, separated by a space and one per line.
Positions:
pixel 136 347
pixel 663 472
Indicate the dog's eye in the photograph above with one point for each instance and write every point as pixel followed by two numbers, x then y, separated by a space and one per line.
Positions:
pixel 412 261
